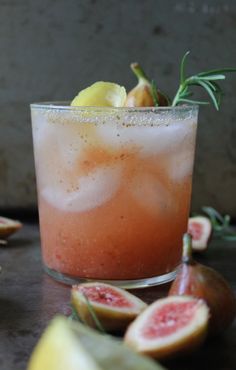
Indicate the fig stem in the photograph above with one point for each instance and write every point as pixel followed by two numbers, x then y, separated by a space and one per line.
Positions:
pixel 139 72
pixel 187 248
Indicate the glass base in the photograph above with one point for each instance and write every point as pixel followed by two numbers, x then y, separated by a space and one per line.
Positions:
pixel 126 284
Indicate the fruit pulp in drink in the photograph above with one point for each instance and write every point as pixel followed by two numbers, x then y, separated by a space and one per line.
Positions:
pixel 114 192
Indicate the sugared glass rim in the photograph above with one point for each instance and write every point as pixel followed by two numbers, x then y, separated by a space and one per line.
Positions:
pixel 64 106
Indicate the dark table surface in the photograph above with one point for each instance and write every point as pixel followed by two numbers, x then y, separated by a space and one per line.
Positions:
pixel 29 299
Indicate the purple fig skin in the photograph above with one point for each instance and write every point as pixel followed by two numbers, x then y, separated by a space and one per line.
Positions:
pixel 205 283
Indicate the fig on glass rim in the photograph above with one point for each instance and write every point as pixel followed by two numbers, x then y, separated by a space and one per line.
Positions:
pixel 144 94
pixel 200 229
pixel 170 326
pixel 114 307
pixel 204 282
pixel 8 227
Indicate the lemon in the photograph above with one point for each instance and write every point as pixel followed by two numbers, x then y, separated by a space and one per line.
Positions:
pixel 60 349
pixel 101 94
pixel 70 345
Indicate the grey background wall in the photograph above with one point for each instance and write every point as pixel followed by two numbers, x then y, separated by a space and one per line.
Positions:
pixel 50 49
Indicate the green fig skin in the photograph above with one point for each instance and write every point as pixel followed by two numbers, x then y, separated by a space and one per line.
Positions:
pixel 205 283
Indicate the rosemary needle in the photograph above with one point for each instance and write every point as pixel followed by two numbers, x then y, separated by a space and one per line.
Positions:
pixel 206 80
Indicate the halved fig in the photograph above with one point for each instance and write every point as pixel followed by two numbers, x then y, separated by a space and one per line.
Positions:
pixel 8 227
pixel 200 229
pixel 114 307
pixel 169 327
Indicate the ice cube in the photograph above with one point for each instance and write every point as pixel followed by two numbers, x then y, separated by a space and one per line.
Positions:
pixel 57 145
pixel 46 152
pixel 165 138
pixel 70 143
pixel 112 135
pixel 180 164
pixel 41 129
pixel 120 136
pixel 150 193
pixel 91 191
pixel 149 140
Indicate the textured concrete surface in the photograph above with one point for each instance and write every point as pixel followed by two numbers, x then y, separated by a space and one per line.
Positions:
pixel 29 299
pixel 51 49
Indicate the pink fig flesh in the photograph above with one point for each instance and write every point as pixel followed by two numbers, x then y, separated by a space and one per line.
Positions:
pixel 114 307
pixel 169 327
pixel 178 313
pixel 200 229
pixel 106 295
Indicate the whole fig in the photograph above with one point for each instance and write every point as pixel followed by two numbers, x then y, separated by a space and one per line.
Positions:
pixel 144 94
pixel 204 282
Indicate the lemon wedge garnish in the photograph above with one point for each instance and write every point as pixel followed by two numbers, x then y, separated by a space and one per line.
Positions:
pixel 101 94
pixel 60 349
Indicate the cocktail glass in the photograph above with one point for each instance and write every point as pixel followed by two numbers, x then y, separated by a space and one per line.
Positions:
pixel 114 189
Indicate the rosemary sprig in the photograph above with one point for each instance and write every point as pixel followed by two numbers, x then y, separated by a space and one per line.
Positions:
pixel 220 224
pixel 154 93
pixel 75 316
pixel 93 315
pixel 206 80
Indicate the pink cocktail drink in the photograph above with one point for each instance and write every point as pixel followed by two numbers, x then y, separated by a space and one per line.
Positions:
pixel 114 187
